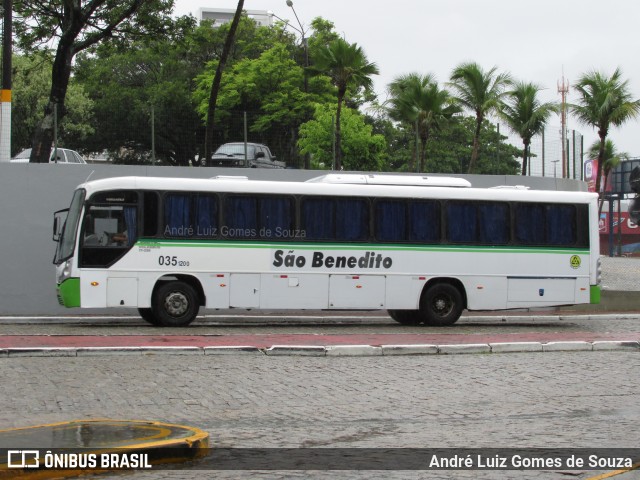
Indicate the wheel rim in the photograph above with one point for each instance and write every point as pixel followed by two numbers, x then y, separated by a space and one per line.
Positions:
pixel 442 305
pixel 176 304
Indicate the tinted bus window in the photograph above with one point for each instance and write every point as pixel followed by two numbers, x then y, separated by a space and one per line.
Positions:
pixel 391 221
pixel 318 218
pixel 177 215
pixel 478 223
pixel 276 216
pixel 259 217
pixel 462 222
pixel 424 222
pixel 494 225
pixel 241 217
pixel 352 219
pixel 206 216
pixel 342 219
pixel 540 224
pixel 561 220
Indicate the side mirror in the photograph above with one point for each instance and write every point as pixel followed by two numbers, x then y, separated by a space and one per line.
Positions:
pixel 260 155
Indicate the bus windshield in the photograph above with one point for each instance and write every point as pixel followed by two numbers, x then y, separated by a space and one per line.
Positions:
pixel 68 238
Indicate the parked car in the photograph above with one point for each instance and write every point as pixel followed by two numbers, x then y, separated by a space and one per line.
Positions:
pixel 232 155
pixel 64 156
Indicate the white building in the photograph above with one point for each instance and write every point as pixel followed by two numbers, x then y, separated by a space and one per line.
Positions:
pixel 225 15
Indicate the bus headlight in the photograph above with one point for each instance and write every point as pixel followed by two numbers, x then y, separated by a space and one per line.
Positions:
pixel 64 272
pixel 598 272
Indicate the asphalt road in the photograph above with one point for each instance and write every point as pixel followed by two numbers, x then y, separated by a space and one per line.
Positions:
pixel 577 399
pixel 556 399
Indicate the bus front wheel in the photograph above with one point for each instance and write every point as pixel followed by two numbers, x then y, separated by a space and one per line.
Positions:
pixel 406 317
pixel 175 304
pixel 441 304
pixel 148 316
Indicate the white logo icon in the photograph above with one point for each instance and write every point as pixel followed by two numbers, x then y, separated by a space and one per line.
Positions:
pixel 23 459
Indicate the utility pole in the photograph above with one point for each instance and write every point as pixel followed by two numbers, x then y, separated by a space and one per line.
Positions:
pixel 563 90
pixel 5 92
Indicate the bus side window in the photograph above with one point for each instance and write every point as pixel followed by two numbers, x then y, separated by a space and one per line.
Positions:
pixel 352 219
pixel 276 216
pixel 462 223
pixel 318 218
pixel 391 221
pixel 562 227
pixel 177 215
pixel 424 221
pixel 206 216
pixel 241 217
pixel 494 223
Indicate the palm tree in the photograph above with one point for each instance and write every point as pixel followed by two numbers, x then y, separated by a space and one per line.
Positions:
pixel 480 92
pixel 611 158
pixel 417 100
pixel 525 115
pixel 347 66
pixel 604 101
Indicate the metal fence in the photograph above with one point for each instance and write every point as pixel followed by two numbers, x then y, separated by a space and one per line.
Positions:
pixel 547 154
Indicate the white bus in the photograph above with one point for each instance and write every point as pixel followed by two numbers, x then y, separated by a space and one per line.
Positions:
pixel 423 248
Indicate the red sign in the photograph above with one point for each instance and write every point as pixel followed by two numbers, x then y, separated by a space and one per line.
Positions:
pixel 628 227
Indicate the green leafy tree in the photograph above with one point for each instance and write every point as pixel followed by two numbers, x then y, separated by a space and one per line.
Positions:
pixel 74 26
pixel 604 102
pixel 526 115
pixel 449 149
pixel 323 34
pixel 363 150
pixel 271 88
pixel 347 66
pixel 482 93
pixel 418 100
pixel 143 96
pixel 31 82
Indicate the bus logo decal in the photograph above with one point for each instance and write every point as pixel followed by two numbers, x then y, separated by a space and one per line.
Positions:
pixel 575 261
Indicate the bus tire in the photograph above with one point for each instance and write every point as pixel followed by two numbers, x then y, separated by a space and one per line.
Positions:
pixel 175 304
pixel 406 317
pixel 148 316
pixel 441 304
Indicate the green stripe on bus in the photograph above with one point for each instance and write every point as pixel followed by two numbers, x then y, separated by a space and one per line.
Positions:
pixel 69 292
pixel 150 243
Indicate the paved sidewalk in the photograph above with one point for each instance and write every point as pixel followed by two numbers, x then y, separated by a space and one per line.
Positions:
pixel 316 344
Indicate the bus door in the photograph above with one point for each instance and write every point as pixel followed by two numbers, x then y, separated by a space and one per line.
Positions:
pixel 109 231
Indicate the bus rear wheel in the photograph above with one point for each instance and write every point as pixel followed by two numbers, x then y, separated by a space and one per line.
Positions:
pixel 441 304
pixel 175 304
pixel 407 317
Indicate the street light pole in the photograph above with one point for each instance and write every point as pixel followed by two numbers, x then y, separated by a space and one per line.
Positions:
pixel 305 46
pixel 5 92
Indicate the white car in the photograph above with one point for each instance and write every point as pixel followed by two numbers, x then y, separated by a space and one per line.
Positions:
pixel 64 155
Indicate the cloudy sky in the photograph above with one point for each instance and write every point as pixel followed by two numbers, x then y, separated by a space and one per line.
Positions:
pixel 534 41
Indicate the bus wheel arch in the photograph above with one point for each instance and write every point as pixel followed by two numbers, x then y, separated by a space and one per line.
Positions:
pixel 176 300
pixel 442 301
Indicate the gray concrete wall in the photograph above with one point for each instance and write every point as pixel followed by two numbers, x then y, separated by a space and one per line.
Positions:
pixel 31 193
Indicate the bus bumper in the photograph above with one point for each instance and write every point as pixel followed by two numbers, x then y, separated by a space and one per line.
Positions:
pixel 595 294
pixel 69 292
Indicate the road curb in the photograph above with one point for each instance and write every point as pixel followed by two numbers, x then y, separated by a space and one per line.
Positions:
pixel 333 350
